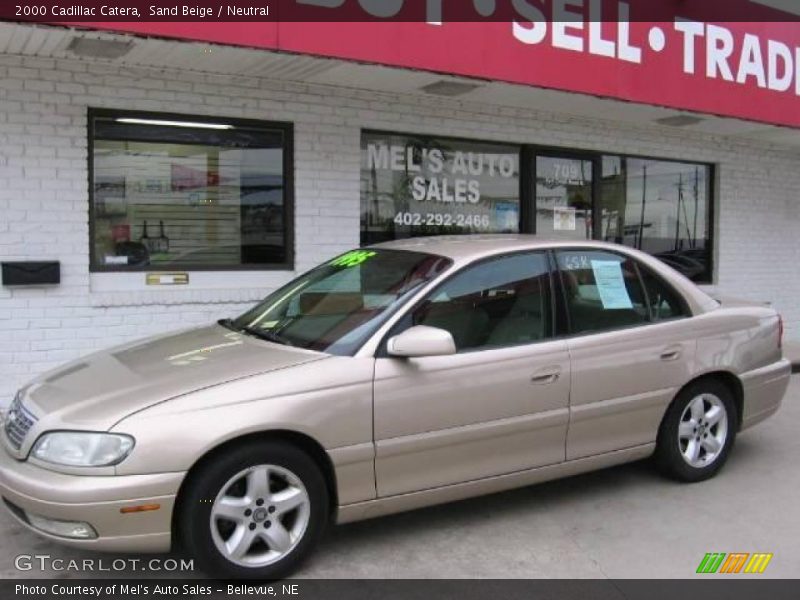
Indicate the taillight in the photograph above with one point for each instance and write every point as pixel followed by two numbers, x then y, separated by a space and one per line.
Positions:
pixel 780 331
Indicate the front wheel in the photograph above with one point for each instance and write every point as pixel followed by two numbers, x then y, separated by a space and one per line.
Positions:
pixel 255 511
pixel 698 432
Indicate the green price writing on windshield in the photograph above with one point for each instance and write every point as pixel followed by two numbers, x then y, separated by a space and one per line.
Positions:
pixel 353 259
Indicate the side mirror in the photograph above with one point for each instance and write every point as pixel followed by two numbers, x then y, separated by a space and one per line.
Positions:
pixel 422 340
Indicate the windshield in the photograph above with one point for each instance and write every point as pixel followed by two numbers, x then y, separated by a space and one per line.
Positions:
pixel 337 306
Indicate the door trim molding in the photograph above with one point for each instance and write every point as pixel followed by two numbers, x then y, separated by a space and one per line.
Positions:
pixel 403 502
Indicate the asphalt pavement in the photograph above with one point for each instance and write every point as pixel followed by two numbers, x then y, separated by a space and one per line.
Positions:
pixel 623 522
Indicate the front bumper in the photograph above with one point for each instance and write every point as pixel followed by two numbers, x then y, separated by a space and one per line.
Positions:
pixel 96 500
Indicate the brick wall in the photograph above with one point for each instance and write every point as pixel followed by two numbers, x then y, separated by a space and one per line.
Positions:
pixel 44 194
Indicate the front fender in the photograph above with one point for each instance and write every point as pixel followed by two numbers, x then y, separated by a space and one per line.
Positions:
pixel 329 401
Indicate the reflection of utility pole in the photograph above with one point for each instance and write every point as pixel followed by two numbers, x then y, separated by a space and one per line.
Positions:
pixel 587 211
pixel 644 202
pixel 678 215
pixel 696 203
pixel 686 222
pixel 622 203
pixel 375 217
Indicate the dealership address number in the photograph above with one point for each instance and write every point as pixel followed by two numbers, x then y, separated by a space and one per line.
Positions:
pixel 442 220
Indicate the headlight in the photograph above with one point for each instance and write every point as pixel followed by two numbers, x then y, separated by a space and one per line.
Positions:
pixel 83 449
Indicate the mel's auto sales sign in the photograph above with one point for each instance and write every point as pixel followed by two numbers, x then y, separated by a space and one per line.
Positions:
pixel 736 58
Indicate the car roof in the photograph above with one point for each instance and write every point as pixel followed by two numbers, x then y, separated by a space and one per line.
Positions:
pixel 469 247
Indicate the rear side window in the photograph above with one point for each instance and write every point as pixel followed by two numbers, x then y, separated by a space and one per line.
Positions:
pixel 665 303
pixel 602 291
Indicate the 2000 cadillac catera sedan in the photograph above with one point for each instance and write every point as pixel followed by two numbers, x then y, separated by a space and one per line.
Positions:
pixel 392 377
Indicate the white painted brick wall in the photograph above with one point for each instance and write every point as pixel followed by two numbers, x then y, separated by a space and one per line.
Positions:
pixel 44 193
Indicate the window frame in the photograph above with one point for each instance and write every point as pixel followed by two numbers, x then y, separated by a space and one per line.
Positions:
pixel 287 132
pixel 532 174
pixel 402 323
pixel 564 318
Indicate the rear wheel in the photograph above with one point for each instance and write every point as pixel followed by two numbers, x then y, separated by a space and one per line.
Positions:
pixel 256 511
pixel 698 432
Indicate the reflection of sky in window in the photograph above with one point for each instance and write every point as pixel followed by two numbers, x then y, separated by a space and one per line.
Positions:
pixel 493 274
pixel 663 181
pixel 260 171
pixel 257 162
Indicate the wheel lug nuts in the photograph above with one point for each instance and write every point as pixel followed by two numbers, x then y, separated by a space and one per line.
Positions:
pixel 252 526
pixel 272 509
pixel 267 524
pixel 248 512
pixel 259 502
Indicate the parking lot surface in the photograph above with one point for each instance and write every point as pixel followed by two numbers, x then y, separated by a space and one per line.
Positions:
pixel 624 522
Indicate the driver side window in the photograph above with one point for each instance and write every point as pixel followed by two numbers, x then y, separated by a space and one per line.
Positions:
pixel 500 302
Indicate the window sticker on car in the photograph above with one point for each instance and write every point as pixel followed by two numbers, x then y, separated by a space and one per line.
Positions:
pixel 574 262
pixel 353 259
pixel 611 284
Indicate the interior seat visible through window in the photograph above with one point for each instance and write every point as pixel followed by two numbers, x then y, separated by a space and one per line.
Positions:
pixel 465 322
pixel 499 302
pixel 602 291
pixel 526 321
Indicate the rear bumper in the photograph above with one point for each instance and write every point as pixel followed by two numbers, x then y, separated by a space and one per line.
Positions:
pixel 95 500
pixel 764 389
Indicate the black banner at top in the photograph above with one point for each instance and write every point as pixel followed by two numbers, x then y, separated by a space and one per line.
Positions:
pixel 87 11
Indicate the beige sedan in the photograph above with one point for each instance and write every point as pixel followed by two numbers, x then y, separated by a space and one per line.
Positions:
pixel 392 377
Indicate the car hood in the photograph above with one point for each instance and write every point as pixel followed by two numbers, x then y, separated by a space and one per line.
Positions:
pixel 98 390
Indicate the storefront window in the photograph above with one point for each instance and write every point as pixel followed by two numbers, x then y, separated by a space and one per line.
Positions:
pixel 563 197
pixel 415 185
pixel 188 193
pixel 660 207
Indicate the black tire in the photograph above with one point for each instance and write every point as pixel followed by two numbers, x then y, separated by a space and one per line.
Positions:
pixel 197 500
pixel 669 456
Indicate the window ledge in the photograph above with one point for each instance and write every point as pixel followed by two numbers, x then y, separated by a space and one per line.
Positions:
pixel 204 287
pixel 108 299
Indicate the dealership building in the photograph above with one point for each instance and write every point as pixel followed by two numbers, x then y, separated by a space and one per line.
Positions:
pixel 158 176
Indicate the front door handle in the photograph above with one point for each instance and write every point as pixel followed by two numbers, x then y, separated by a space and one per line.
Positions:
pixel 546 376
pixel 671 354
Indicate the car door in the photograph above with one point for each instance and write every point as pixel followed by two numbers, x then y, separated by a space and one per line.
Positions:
pixel 499 405
pixel 631 348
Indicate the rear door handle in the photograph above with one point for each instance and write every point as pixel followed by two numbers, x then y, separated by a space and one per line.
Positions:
pixel 671 354
pixel 546 376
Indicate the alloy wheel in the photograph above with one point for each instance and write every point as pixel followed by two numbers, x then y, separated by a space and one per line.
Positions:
pixel 703 430
pixel 260 515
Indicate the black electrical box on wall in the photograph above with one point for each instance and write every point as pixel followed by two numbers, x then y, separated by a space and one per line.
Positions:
pixel 31 273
